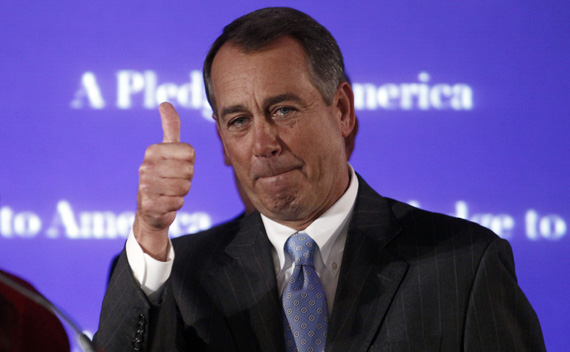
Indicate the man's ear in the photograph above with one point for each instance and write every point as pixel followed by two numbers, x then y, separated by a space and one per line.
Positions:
pixel 344 100
pixel 226 157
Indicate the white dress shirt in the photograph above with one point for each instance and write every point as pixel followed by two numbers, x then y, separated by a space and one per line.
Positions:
pixel 329 231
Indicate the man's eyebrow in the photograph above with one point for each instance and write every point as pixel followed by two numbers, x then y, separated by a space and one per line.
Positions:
pixel 267 103
pixel 281 98
pixel 232 110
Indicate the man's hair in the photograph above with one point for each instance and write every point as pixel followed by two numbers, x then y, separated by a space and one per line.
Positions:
pixel 257 29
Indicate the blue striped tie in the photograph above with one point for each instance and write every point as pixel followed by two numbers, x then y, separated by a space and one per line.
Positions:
pixel 304 300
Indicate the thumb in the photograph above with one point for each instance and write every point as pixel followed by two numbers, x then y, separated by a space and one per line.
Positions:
pixel 170 123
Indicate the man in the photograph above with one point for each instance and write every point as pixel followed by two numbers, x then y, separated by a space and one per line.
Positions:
pixel 324 262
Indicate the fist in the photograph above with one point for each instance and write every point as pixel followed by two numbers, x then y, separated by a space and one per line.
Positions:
pixel 164 180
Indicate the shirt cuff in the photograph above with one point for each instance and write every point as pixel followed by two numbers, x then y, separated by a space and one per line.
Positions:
pixel 150 273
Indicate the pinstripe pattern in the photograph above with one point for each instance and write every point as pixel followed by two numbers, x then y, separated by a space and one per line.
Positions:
pixel 426 282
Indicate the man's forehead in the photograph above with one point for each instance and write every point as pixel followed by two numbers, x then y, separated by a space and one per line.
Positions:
pixel 275 70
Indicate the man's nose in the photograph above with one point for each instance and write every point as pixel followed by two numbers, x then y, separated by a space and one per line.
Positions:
pixel 266 136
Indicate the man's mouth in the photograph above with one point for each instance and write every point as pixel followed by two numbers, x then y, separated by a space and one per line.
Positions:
pixel 275 172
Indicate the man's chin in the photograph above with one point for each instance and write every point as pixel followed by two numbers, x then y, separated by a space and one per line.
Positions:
pixel 281 209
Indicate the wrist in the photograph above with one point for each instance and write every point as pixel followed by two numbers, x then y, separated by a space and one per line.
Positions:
pixel 153 242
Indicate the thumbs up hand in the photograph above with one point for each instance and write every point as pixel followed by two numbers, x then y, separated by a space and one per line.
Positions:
pixel 164 180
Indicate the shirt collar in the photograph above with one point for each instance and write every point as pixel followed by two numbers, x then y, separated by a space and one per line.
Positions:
pixel 323 230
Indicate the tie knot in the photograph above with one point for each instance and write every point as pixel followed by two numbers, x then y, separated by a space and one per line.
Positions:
pixel 301 247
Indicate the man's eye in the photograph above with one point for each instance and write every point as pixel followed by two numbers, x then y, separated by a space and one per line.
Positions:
pixel 281 112
pixel 237 122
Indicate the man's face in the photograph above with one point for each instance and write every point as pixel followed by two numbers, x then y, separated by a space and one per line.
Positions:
pixel 284 143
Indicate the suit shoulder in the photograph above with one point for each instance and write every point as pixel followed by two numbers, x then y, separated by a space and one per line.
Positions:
pixel 194 251
pixel 439 226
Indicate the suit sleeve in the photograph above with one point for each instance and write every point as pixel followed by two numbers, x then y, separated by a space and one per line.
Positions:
pixel 125 323
pixel 499 316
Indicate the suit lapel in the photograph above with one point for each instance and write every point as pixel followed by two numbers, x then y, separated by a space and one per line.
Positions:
pixel 249 289
pixel 370 274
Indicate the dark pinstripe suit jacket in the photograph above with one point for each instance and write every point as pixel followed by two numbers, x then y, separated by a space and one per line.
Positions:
pixel 410 280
